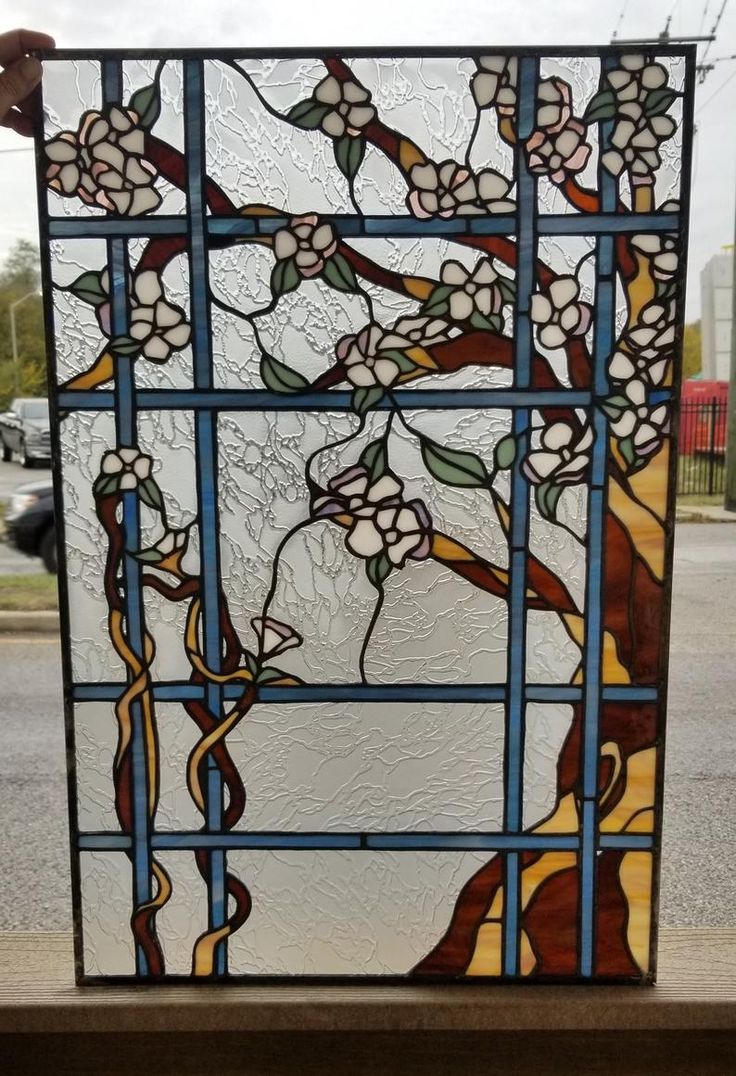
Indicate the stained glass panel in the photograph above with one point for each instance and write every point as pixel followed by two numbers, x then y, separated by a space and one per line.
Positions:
pixel 364 371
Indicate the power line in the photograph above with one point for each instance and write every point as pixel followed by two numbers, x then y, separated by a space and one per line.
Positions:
pixel 714 29
pixel 703 17
pixel 723 86
pixel 620 20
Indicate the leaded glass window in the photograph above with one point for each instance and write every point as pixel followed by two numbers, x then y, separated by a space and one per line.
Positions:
pixel 363 371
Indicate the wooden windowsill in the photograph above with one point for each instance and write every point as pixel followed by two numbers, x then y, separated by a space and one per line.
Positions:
pixel 696 992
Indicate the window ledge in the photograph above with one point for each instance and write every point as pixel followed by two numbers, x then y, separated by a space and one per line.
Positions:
pixel 696 992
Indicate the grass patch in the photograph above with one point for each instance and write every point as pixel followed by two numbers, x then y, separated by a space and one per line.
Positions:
pixel 27 593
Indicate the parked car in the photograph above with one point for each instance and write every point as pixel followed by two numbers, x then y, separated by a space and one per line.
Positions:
pixel 24 430
pixel 29 522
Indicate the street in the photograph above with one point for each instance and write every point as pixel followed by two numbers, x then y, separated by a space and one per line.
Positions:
pixel 700 790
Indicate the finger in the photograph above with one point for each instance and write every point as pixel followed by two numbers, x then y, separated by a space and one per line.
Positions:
pixel 30 105
pixel 17 43
pixel 16 121
pixel 17 81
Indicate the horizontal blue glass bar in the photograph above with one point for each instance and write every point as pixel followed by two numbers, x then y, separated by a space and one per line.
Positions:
pixel 255 400
pixel 403 842
pixel 180 691
pixel 353 226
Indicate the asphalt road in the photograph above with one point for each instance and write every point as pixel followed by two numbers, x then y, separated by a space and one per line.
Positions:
pixel 13 475
pixel 698 886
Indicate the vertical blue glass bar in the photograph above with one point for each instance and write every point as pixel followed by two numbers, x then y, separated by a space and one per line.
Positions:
pixel 206 455
pixel 605 331
pixel 126 435
pixel 526 194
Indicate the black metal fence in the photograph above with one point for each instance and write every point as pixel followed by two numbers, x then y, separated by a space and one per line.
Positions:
pixel 701 467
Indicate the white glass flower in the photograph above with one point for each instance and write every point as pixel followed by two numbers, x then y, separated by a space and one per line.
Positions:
pixel 365 365
pixel 553 99
pixel 644 423
pixel 558 154
pixel 661 251
pixel 103 163
pixel 307 241
pixel 473 289
pixel 352 493
pixel 274 637
pixel 350 107
pixel 559 313
pixel 130 465
pixel 157 325
pixel 449 189
pixel 563 457
pixel 637 134
pixel 399 531
pixel 495 83
pixel 154 323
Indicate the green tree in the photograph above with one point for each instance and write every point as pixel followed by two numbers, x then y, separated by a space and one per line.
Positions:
pixel 19 275
pixel 691 351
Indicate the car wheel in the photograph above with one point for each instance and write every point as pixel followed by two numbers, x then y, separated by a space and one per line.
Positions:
pixel 25 459
pixel 7 454
pixel 47 550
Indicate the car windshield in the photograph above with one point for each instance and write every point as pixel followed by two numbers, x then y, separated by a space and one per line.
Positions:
pixel 35 409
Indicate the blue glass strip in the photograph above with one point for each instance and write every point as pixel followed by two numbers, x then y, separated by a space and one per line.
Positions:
pixel 406 841
pixel 515 734
pixel 605 330
pixel 206 466
pixel 350 226
pixel 180 691
pixel 255 400
pixel 126 436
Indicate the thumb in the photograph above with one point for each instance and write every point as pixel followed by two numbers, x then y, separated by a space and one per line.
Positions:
pixel 17 81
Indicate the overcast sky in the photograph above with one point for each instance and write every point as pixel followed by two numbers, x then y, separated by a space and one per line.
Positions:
pixel 163 23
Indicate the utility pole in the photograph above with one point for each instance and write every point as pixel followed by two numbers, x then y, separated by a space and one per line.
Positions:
pixel 14 340
pixel 729 501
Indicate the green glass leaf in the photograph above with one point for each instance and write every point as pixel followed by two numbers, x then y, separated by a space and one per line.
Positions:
pixel 547 495
pixel 307 114
pixel 438 301
pixel 658 101
pixel 250 663
pixel 278 377
pixel 285 277
pixel 88 288
pixel 614 405
pixel 147 103
pixel 338 272
pixel 150 494
pixel 268 674
pixel 627 450
pixel 364 399
pixel 105 485
pixel 349 153
pixel 375 459
pixel 505 452
pixel 493 324
pixel 148 556
pixel 124 345
pixel 507 288
pixel 402 360
pixel 600 107
pixel 452 467
pixel 378 569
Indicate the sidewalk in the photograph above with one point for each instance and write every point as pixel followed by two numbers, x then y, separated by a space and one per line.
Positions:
pixel 703 513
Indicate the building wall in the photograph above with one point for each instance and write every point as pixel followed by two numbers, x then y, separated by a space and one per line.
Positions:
pixel 716 281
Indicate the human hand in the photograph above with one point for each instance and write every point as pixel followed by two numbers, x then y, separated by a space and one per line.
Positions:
pixel 20 76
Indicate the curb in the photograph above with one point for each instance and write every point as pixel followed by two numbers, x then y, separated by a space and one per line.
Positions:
pixel 704 515
pixel 41 621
